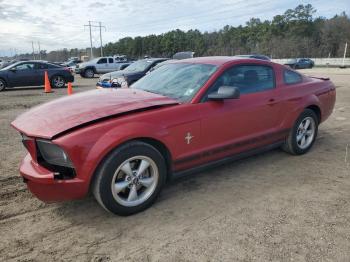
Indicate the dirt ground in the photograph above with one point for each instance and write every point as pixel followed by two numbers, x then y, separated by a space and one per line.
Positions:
pixel 271 207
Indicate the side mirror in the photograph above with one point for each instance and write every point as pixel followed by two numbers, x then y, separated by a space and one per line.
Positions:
pixel 13 69
pixel 225 92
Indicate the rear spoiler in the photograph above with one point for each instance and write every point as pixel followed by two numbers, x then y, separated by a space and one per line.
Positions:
pixel 321 78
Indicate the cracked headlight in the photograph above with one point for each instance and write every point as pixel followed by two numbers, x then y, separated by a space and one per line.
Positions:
pixel 53 154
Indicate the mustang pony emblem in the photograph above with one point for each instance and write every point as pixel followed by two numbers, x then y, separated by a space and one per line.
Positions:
pixel 188 138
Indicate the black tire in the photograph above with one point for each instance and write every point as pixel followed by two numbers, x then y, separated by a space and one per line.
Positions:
pixel 2 85
pixel 89 73
pixel 105 175
pixel 291 144
pixel 57 81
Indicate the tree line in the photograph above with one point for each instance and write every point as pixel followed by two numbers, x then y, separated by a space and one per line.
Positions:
pixel 296 33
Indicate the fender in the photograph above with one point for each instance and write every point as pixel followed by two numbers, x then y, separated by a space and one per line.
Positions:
pixel 301 104
pixel 89 67
pixel 6 82
pixel 93 153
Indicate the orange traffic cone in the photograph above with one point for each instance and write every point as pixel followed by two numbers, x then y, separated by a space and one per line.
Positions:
pixel 70 89
pixel 47 84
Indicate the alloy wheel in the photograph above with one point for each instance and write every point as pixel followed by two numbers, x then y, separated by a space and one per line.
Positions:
pixel 89 73
pixel 58 81
pixel 2 85
pixel 306 132
pixel 134 181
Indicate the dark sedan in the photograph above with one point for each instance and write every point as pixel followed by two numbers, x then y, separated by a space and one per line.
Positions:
pixel 300 63
pixel 130 74
pixel 31 73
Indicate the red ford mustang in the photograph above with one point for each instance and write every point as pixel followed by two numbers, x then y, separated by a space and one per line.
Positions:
pixel 124 144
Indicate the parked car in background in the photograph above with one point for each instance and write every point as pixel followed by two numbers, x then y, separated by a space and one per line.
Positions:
pixel 130 74
pixel 72 65
pixel 31 73
pixel 177 56
pixel 99 65
pixel 123 145
pixel 300 63
pixel 255 56
pixel 183 55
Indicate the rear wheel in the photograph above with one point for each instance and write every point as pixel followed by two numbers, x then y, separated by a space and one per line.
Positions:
pixel 303 134
pixel 130 179
pixel 2 85
pixel 57 82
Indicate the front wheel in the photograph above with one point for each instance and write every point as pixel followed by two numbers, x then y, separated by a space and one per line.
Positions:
pixel 130 178
pixel 303 134
pixel 89 73
pixel 2 85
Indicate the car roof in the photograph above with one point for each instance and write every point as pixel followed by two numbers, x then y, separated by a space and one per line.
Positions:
pixel 218 60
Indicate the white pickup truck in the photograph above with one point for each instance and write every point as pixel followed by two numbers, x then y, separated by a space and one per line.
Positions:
pixel 101 65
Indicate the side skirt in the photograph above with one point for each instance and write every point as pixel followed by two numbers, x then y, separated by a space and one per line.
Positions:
pixel 204 167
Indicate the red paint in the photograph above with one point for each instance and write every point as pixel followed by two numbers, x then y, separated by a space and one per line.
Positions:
pixel 218 128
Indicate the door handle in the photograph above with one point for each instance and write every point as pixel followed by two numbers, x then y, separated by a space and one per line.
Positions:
pixel 272 102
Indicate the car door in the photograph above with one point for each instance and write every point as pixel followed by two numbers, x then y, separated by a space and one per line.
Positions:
pixel 39 75
pixel 236 125
pixel 22 74
pixel 305 63
pixel 102 65
pixel 111 66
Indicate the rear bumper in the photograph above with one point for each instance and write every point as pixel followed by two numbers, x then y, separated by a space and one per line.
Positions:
pixel 70 78
pixel 43 185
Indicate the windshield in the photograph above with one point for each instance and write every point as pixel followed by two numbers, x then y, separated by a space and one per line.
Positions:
pixel 179 81
pixel 138 66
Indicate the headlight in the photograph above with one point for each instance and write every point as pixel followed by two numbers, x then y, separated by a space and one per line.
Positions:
pixel 120 81
pixel 53 154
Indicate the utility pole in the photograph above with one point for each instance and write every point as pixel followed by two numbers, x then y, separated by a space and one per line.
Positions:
pixel 33 50
pixel 346 47
pixel 100 26
pixel 39 50
pixel 89 25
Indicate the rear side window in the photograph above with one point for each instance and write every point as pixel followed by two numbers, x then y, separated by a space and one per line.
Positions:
pixel 291 77
pixel 41 66
pixel 248 78
pixel 102 61
pixel 110 60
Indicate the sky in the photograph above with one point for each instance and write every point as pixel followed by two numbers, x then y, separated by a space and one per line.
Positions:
pixel 60 24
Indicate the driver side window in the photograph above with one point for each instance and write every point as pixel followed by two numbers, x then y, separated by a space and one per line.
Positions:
pixel 102 61
pixel 247 78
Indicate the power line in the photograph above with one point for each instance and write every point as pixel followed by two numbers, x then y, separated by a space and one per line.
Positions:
pixel 100 26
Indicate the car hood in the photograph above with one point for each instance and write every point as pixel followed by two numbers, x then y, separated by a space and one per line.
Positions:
pixel 85 64
pixel 116 74
pixel 52 118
